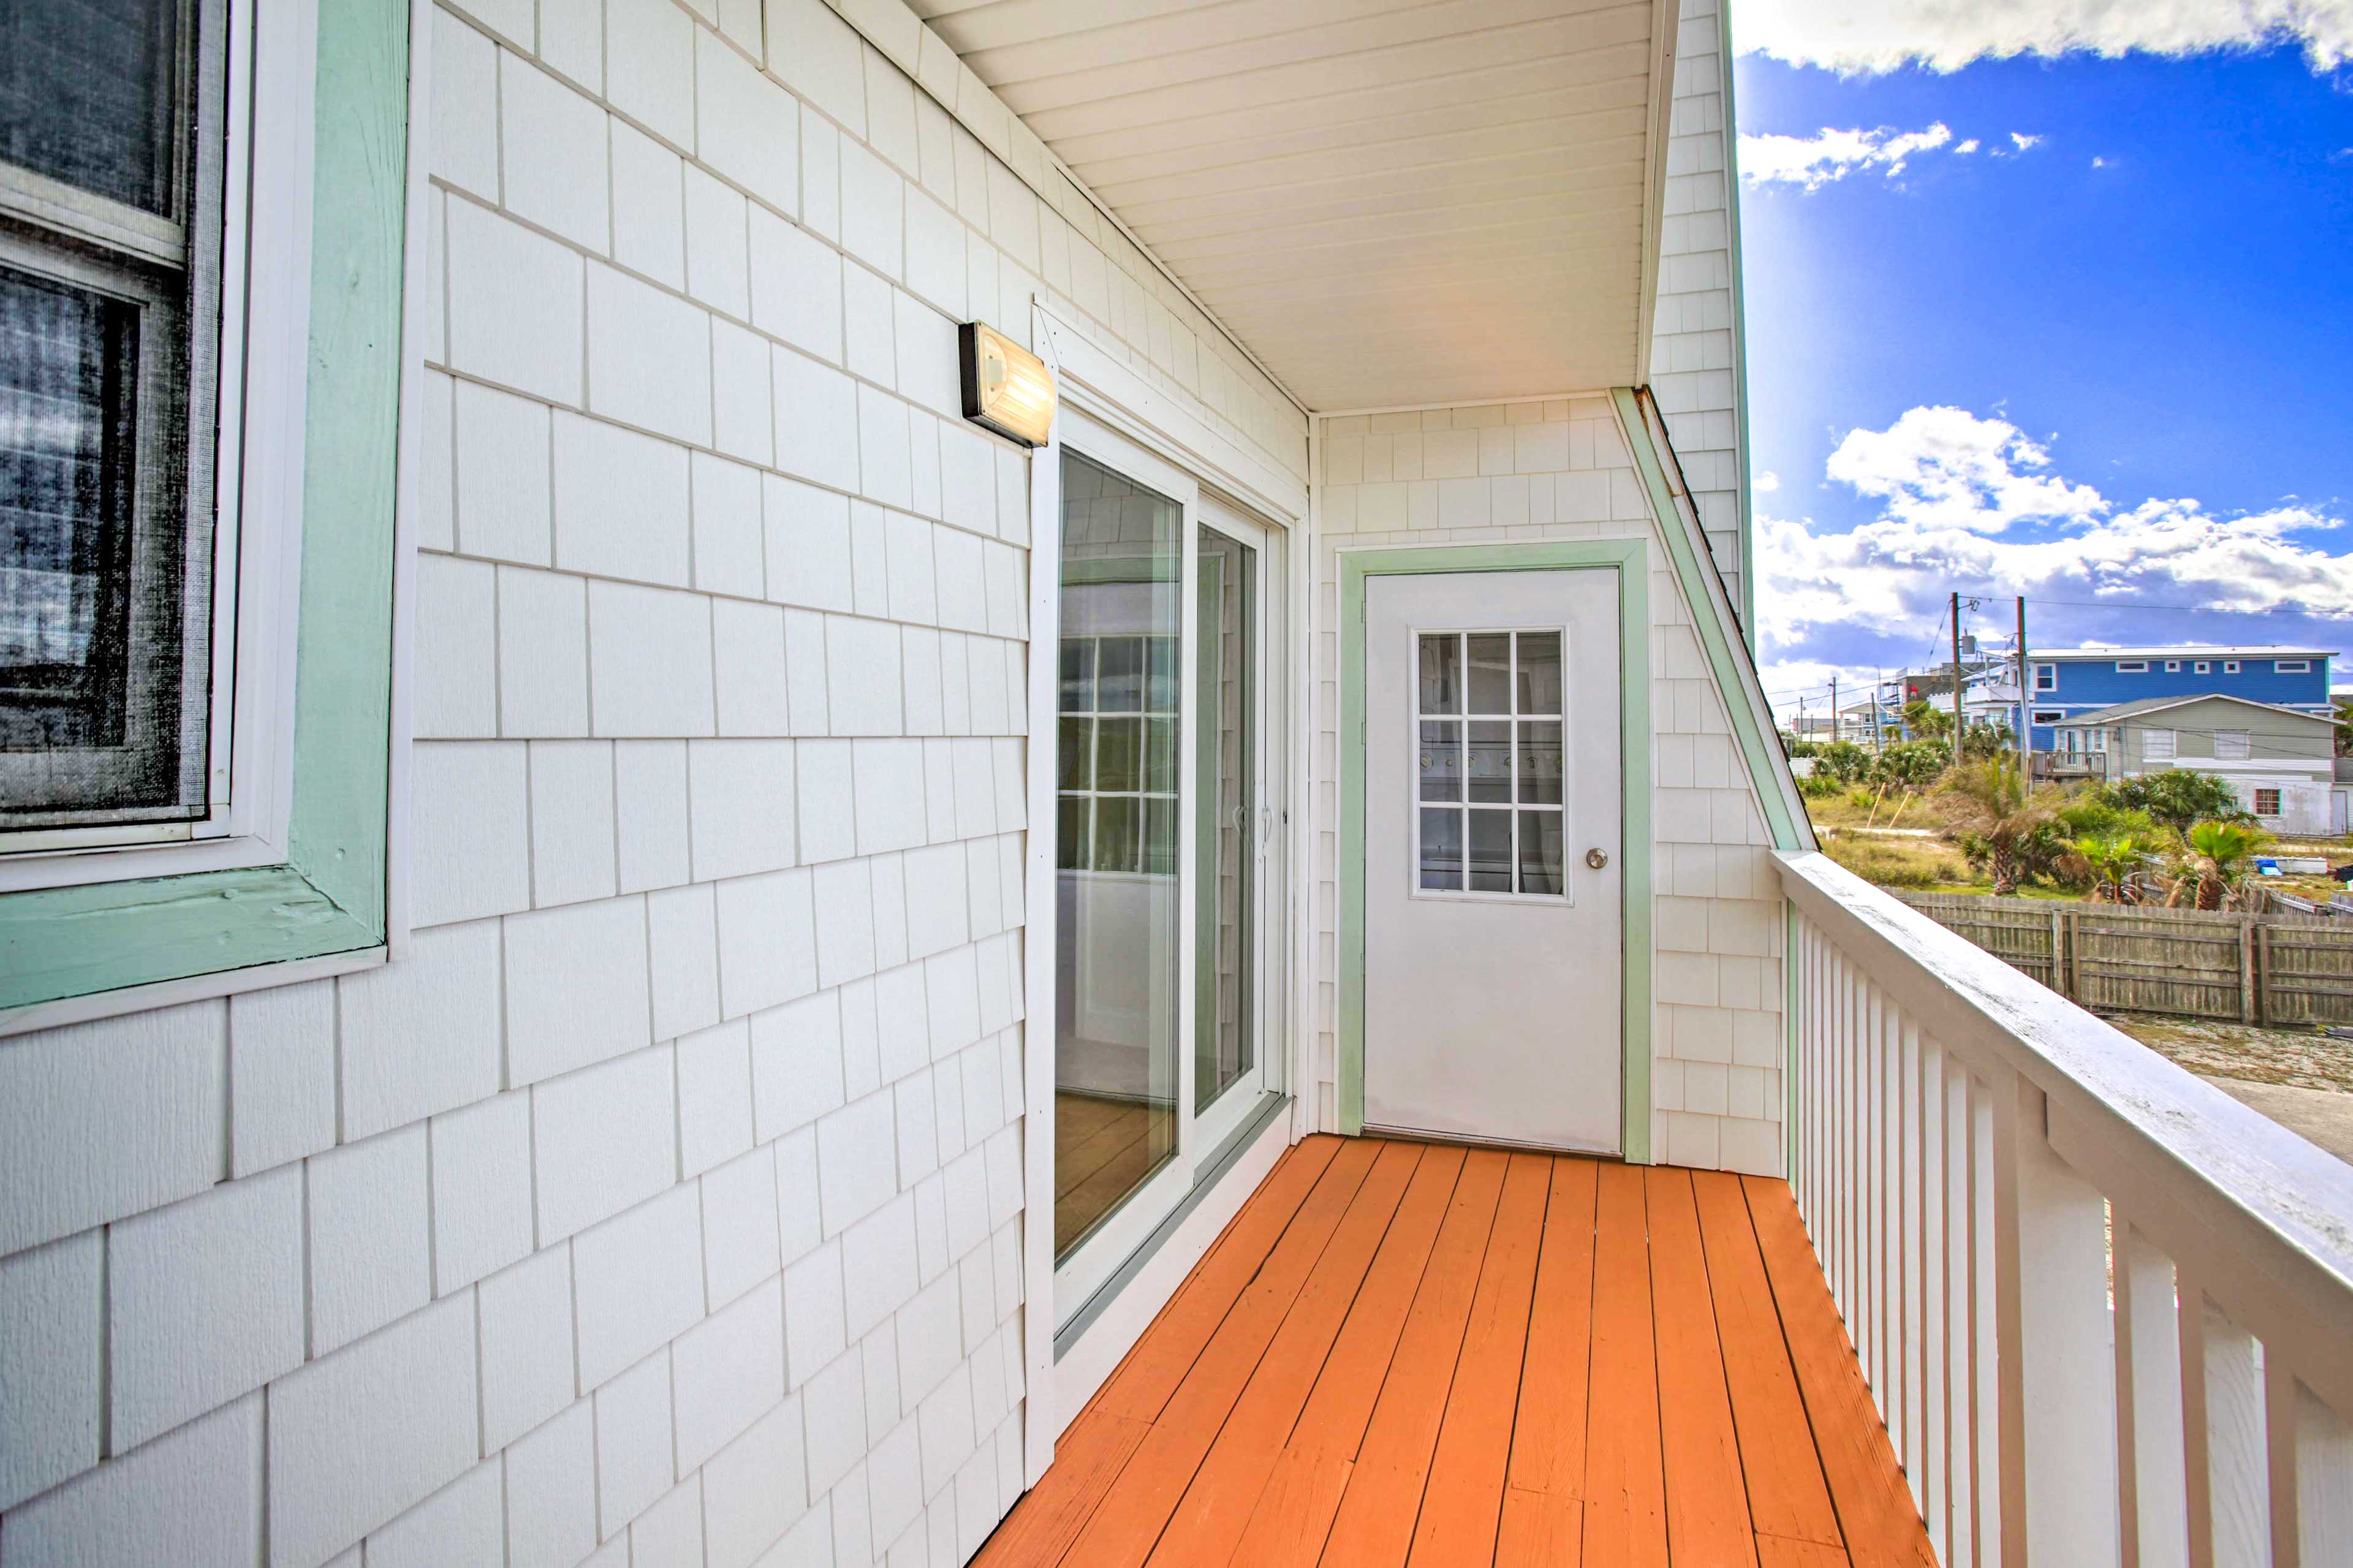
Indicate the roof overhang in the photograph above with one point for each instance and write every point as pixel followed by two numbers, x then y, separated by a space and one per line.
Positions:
pixel 1390 203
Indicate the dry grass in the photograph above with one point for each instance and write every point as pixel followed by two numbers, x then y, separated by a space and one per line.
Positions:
pixel 1922 863
pixel 1895 809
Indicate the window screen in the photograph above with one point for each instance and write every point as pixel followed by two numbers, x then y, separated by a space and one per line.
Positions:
pixel 2230 745
pixel 111 120
pixel 2268 802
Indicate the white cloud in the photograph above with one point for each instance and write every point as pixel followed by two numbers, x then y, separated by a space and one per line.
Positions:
pixel 1766 483
pixel 2024 139
pixel 1883 35
pixel 1813 161
pixel 1972 503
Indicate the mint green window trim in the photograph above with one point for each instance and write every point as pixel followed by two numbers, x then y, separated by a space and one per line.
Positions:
pixel 1630 559
pixel 330 897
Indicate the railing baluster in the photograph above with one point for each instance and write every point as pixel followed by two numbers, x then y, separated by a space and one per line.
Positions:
pixel 2225 1448
pixel 1986 1416
pixel 1936 1349
pixel 1960 1315
pixel 2155 1521
pixel 2323 1482
pixel 2057 1361
pixel 1913 1332
pixel 1873 1186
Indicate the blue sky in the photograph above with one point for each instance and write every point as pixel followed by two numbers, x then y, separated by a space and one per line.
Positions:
pixel 2078 325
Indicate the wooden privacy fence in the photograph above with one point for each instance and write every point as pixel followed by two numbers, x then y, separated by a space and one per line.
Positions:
pixel 2240 968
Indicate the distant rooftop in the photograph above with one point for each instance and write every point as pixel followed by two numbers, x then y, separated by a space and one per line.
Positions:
pixel 2179 650
pixel 2146 705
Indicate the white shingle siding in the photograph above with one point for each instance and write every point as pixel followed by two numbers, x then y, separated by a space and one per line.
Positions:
pixel 1561 470
pixel 664 1198
pixel 1695 349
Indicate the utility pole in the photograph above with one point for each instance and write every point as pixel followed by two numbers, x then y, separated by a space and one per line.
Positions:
pixel 2025 738
pixel 1878 730
pixel 1836 735
pixel 1957 715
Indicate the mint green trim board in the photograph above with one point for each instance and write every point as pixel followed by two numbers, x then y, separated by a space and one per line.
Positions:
pixel 1629 558
pixel 1767 767
pixel 330 896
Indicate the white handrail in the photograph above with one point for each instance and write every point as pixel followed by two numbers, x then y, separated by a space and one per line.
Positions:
pixel 2107 1311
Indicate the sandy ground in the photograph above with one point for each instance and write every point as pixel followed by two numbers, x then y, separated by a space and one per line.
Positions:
pixel 2301 1079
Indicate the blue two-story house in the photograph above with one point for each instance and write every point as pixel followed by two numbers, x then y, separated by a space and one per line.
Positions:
pixel 2070 682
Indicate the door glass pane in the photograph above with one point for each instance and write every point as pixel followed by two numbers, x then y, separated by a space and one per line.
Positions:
pixel 1490 673
pixel 1539 764
pixel 1441 850
pixel 1539 673
pixel 1441 761
pixel 1441 674
pixel 1491 852
pixel 1116 975
pixel 1540 833
pixel 1491 761
pixel 1223 1045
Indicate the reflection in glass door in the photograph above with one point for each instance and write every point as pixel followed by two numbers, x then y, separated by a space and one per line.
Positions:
pixel 1163 725
pixel 1118 967
pixel 1225 1019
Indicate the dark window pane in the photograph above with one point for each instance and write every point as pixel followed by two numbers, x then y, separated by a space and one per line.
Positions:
pixel 1071 832
pixel 1491 852
pixel 1117 825
pixel 1442 760
pixel 1540 764
pixel 1540 833
pixel 1539 672
pixel 1491 761
pixel 1490 673
pixel 1160 695
pixel 1160 838
pixel 90 95
pixel 1441 674
pixel 1074 746
pixel 67 375
pixel 1120 676
pixel 1119 755
pixel 1441 850
pixel 1078 675
pixel 1160 755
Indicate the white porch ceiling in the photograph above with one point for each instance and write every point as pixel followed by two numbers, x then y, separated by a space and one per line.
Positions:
pixel 1388 202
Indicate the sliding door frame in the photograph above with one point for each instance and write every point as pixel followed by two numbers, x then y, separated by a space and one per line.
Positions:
pixel 1118 408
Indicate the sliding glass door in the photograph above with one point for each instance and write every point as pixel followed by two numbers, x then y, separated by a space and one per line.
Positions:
pixel 1162 833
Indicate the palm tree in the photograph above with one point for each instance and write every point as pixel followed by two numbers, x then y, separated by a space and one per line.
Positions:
pixel 2210 858
pixel 1996 814
pixel 2111 856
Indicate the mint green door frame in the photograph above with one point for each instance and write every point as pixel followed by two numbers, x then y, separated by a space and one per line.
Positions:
pixel 330 897
pixel 1629 560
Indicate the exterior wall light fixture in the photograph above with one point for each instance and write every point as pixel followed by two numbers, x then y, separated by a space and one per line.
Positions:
pixel 1006 388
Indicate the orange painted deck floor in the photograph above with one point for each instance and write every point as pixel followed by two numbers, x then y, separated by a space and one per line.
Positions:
pixel 1402 1352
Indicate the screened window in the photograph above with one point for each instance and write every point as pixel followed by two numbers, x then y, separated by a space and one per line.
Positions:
pixel 2268 802
pixel 2046 678
pixel 1488 771
pixel 2230 745
pixel 110 156
pixel 2157 745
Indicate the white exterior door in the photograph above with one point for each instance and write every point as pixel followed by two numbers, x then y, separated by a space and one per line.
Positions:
pixel 1493 915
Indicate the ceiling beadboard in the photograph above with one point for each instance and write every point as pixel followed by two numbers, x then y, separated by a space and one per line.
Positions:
pixel 1390 203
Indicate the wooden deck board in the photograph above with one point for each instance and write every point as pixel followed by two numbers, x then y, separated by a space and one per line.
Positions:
pixel 1402 1352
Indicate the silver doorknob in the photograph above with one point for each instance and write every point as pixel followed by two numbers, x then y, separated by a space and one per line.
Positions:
pixel 1597 859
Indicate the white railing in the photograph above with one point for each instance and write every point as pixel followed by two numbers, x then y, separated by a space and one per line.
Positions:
pixel 2105 1311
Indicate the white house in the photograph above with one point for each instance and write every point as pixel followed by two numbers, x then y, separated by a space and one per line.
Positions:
pixel 628 937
